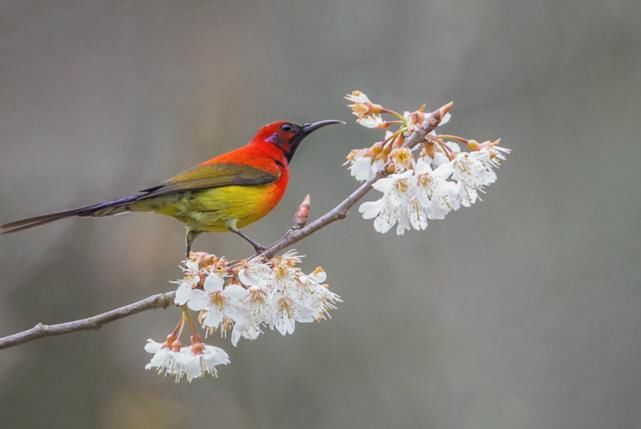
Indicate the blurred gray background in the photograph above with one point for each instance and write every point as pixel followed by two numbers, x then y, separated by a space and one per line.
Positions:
pixel 523 312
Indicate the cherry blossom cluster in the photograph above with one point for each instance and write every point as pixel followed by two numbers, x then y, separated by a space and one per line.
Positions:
pixel 422 182
pixel 238 299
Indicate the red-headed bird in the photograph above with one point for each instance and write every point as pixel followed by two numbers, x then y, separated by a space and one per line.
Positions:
pixel 226 193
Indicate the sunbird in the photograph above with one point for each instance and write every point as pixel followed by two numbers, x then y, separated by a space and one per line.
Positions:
pixel 224 194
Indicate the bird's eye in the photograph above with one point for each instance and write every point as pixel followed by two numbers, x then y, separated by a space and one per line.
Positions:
pixel 286 127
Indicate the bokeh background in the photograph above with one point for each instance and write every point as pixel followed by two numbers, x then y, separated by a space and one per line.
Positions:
pixel 523 312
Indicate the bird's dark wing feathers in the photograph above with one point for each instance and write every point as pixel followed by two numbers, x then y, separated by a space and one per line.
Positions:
pixel 205 176
pixel 211 176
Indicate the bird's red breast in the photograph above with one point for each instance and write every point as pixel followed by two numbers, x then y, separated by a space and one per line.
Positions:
pixel 263 155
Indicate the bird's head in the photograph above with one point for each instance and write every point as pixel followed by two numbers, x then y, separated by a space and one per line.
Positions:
pixel 287 136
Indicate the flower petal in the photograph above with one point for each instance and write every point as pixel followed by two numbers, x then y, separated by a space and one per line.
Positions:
pixel 182 293
pixel 214 283
pixel 197 300
pixel 371 209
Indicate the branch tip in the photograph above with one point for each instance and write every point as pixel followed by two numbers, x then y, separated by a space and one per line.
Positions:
pixel 302 213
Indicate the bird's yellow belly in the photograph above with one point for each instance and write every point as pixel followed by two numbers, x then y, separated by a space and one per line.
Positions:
pixel 214 209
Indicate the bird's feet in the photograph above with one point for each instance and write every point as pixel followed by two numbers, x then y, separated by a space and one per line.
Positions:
pixel 259 248
pixel 189 240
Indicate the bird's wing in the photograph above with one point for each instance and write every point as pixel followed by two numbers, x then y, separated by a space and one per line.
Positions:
pixel 204 176
pixel 207 176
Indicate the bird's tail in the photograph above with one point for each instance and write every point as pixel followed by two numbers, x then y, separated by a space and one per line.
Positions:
pixel 105 208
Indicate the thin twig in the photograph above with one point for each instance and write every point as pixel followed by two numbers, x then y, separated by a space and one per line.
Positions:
pixel 293 235
pixel 161 300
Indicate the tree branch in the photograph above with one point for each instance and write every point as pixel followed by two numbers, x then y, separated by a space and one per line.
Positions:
pixel 294 234
pixel 161 300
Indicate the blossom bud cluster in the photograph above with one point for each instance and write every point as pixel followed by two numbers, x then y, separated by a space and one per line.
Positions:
pixel 254 294
pixel 239 299
pixel 419 185
pixel 368 114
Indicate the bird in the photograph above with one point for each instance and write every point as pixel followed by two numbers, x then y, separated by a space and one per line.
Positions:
pixel 223 194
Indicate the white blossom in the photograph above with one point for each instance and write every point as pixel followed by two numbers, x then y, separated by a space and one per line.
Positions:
pixel 357 97
pixel 402 159
pixel 282 318
pixel 281 295
pixel 432 188
pixel 163 358
pixel 361 165
pixel 473 171
pixel 256 274
pixel 439 196
pixel 371 121
pixel 246 328
pixel 189 362
pixel 361 105
pixel 417 214
pixel 439 159
pixel 187 292
pixel 194 364
pixel 314 298
pixel 195 299
pixel 392 208
pixel 273 293
pixel 225 304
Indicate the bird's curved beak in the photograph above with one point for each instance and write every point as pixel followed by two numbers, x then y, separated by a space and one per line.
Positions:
pixel 305 130
pixel 310 127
